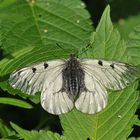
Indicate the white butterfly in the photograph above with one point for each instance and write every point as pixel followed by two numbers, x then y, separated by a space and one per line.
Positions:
pixel 80 83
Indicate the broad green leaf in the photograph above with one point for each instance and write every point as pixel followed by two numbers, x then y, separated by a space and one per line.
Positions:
pixel 5 131
pixel 106 40
pixel 15 102
pixel 39 23
pixel 116 120
pixel 25 25
pixel 133 44
pixel 35 135
pixel 113 123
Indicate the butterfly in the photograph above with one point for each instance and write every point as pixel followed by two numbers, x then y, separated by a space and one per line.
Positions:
pixel 79 83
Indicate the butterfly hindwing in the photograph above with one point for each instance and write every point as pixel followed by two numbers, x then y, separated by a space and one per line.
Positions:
pixel 56 103
pixel 94 98
pixel 53 98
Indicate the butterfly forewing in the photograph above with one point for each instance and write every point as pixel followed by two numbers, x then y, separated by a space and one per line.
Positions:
pixel 113 75
pixel 31 79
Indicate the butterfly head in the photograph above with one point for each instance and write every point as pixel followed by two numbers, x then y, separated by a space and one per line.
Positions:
pixel 72 57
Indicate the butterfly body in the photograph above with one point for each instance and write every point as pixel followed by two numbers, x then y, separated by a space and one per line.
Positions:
pixel 73 78
pixel 79 83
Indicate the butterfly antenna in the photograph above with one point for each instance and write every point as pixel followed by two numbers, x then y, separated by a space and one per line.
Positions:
pixel 85 49
pixel 60 47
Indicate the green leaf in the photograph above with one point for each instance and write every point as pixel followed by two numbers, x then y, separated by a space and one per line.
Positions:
pixel 133 44
pixel 15 102
pixel 35 135
pixel 24 25
pixel 116 121
pixel 113 123
pixel 39 23
pixel 106 40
